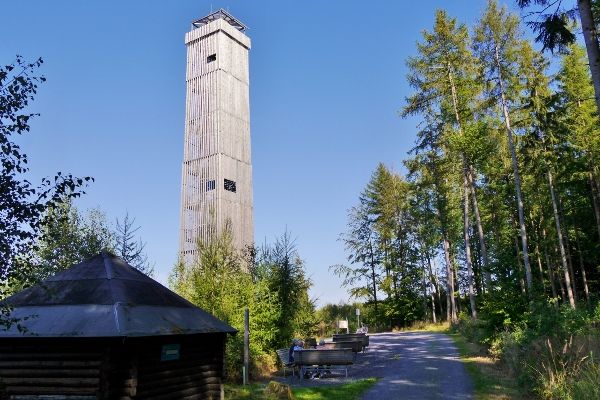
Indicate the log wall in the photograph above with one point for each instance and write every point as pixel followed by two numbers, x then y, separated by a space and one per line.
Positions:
pixel 112 368
pixel 185 378
pixel 41 367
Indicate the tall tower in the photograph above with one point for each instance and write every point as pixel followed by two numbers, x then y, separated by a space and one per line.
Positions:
pixel 217 167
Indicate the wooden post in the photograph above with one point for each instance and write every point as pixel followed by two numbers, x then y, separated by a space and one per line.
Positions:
pixel 246 344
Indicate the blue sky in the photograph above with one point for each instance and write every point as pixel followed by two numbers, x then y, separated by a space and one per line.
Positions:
pixel 327 79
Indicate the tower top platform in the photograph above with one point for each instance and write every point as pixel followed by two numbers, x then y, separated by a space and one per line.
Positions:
pixel 219 14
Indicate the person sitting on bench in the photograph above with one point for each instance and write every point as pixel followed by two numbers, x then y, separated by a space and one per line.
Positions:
pixel 297 345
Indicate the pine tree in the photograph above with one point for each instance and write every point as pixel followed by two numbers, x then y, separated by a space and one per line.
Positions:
pixel 497 43
pixel 555 31
pixel 443 77
pixel 130 248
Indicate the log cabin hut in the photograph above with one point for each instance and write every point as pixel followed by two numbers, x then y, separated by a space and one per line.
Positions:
pixel 104 330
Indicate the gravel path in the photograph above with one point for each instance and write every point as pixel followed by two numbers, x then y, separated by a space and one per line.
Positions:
pixel 414 365
pixel 409 365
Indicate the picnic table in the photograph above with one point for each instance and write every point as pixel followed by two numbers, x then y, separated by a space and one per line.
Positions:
pixel 323 360
pixel 364 339
pixel 355 345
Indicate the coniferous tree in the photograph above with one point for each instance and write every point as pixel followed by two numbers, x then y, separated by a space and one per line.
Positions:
pixel 129 247
pixel 362 276
pixel 555 31
pixel 497 44
pixel 443 77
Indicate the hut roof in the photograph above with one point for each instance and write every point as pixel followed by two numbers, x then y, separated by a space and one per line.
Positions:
pixel 104 297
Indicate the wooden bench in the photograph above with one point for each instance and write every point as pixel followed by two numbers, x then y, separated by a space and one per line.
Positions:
pixel 323 360
pixel 284 357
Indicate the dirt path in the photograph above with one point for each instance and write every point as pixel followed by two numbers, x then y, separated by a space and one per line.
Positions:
pixel 413 365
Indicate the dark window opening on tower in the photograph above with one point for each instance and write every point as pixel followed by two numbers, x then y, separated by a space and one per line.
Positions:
pixel 230 185
pixel 211 185
pixel 211 58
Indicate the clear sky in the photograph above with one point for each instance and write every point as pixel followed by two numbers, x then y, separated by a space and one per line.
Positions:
pixel 327 79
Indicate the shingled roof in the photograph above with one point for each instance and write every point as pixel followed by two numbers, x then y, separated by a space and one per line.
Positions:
pixel 104 297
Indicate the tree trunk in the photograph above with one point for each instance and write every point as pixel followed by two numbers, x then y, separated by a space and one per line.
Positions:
pixel 590 35
pixel 548 265
pixel 451 305
pixel 565 233
pixel 435 284
pixel 484 255
pixel 581 267
pixel 570 265
pixel 513 156
pixel 466 172
pixel 424 287
pixel 433 288
pixel 538 257
pixel 520 270
pixel 456 287
pixel 562 287
pixel 550 274
pixel 594 189
pixel 540 268
pixel 477 275
pixel 561 246
pixel 374 282
pixel 433 317
pixel 468 243
pixel 395 265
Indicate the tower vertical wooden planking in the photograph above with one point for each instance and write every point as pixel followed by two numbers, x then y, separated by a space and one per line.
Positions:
pixel 217 165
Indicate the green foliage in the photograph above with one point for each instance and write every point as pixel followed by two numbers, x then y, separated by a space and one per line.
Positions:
pixel 274 289
pixel 523 148
pixel 347 391
pixel 67 237
pixel 585 386
pixel 217 283
pixel 471 329
pixel 129 248
pixel 328 316
pixel 23 204
pixel 385 268
pixel 499 116
pixel 550 349
pixel 554 29
pixel 281 267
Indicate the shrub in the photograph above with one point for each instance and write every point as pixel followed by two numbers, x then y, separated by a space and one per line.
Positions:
pixel 474 330
pixel 549 348
pixel 507 346
pixel 585 386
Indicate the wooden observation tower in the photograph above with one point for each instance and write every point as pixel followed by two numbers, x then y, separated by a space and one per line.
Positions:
pixel 217 166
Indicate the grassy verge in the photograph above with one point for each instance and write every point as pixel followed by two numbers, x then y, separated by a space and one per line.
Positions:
pixel 347 391
pixel 490 380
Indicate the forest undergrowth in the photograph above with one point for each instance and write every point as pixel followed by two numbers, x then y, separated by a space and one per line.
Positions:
pixel 552 352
